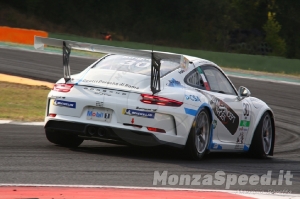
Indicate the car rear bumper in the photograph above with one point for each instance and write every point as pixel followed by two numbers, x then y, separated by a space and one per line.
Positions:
pixel 107 133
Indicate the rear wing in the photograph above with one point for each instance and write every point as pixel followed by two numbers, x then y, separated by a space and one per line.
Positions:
pixel 155 56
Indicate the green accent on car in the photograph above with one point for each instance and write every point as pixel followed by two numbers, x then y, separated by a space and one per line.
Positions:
pixel 245 123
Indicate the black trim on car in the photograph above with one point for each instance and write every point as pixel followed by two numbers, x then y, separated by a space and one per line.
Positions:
pixel 110 134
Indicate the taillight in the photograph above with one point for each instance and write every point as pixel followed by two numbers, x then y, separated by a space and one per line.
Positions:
pixel 52 115
pixel 156 130
pixel 151 99
pixel 62 87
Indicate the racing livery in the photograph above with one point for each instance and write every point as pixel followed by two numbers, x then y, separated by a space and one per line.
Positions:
pixel 151 98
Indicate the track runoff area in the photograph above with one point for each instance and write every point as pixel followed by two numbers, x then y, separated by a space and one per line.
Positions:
pixel 159 178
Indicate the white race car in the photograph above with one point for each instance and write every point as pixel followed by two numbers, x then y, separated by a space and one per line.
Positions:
pixel 151 98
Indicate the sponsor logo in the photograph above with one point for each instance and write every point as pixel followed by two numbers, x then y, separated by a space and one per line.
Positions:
pixel 174 83
pixel 146 109
pixel 109 83
pixel 245 119
pixel 181 71
pixel 132 112
pixel 245 123
pixel 99 104
pixel 214 123
pixel 240 139
pixel 64 103
pixel 104 91
pixel 239 146
pixel 224 113
pixel 193 98
pixel 57 97
pixel 98 114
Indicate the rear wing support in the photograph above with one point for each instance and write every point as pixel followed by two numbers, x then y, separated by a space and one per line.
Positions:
pixel 66 45
pixel 66 58
pixel 155 74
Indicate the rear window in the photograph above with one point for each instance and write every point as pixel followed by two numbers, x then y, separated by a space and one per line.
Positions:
pixel 137 65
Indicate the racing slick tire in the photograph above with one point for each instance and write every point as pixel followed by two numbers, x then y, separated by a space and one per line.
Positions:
pixel 262 140
pixel 199 136
pixel 63 139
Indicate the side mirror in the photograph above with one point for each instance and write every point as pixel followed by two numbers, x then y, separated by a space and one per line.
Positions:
pixel 243 92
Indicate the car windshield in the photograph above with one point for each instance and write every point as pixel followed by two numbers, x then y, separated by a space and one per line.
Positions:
pixel 137 65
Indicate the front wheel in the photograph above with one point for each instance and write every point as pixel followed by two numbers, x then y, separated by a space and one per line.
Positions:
pixel 63 139
pixel 262 141
pixel 199 136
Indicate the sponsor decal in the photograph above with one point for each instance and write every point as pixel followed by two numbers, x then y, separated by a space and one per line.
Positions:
pixel 214 123
pixel 105 92
pixel 239 146
pixel 189 111
pixel 181 71
pixel 98 114
pixel 224 113
pixel 64 103
pixel 184 63
pixel 57 97
pixel 99 104
pixel 193 98
pixel 174 83
pixel 244 123
pixel 240 138
pixel 246 109
pixel 216 146
pixel 146 109
pixel 132 112
pixel 110 83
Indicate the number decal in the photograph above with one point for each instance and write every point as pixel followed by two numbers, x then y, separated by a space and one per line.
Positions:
pixel 246 109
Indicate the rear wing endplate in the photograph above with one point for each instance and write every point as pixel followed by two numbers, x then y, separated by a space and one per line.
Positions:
pixel 67 45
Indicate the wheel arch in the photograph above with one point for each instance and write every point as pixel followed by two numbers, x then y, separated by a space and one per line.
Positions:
pixel 273 132
pixel 269 111
pixel 205 106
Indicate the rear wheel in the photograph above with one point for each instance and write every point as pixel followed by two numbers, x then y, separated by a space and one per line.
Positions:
pixel 262 140
pixel 199 136
pixel 63 139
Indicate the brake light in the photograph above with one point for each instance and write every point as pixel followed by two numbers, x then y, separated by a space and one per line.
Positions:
pixel 52 115
pixel 62 87
pixel 151 99
pixel 156 130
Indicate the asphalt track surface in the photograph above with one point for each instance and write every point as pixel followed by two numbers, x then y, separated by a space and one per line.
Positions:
pixel 26 156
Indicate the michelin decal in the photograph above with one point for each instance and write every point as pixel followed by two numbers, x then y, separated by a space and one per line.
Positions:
pixel 64 103
pixel 132 112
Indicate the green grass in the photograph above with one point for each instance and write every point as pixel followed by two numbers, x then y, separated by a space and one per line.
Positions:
pixel 229 60
pixel 21 102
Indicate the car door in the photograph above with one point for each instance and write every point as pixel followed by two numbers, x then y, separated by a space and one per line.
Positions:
pixel 231 115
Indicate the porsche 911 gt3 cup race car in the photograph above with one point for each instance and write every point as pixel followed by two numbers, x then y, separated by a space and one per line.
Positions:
pixel 151 98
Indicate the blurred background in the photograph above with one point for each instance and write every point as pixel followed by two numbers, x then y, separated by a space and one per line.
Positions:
pixel 259 27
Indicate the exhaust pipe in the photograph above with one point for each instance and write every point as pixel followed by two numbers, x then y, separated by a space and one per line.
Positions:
pixel 102 132
pixel 92 130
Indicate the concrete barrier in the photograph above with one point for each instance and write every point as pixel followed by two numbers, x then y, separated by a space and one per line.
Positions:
pixel 18 35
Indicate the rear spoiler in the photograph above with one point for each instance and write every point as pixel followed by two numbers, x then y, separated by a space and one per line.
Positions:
pixel 67 45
